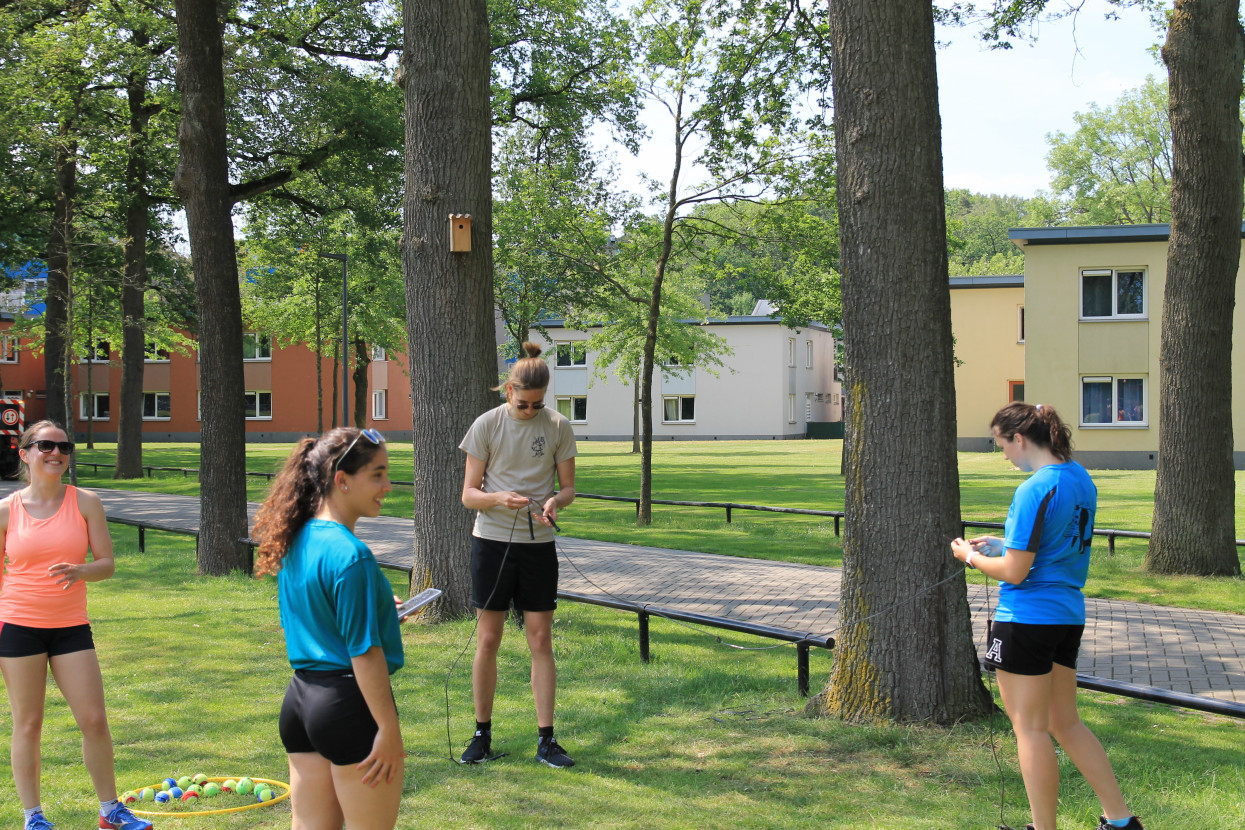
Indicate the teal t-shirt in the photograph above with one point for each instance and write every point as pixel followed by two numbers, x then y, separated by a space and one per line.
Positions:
pixel 335 602
pixel 1052 514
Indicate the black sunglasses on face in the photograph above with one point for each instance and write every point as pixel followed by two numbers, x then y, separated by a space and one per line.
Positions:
pixel 370 434
pixel 524 405
pixel 46 446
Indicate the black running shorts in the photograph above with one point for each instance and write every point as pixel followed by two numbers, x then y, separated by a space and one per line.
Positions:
pixel 324 712
pixel 506 571
pixel 1032 649
pixel 24 641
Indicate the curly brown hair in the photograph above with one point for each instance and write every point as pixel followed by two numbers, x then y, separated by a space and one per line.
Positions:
pixel 301 486
pixel 1039 423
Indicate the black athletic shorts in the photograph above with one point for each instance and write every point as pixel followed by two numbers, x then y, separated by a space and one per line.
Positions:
pixel 24 641
pixel 1033 649
pixel 526 573
pixel 324 712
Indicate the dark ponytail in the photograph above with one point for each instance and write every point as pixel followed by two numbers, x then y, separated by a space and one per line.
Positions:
pixel 528 372
pixel 300 487
pixel 1039 424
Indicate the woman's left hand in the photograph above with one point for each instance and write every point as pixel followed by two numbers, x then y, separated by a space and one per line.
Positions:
pixel 961 549
pixel 386 758
pixel 549 511
pixel 65 574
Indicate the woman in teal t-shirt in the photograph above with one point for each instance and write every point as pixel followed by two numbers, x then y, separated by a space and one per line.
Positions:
pixel 339 723
pixel 1036 633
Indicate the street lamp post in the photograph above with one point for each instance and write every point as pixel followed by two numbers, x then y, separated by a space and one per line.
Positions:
pixel 345 342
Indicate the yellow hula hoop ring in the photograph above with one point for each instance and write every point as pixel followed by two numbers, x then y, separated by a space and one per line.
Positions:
pixel 188 813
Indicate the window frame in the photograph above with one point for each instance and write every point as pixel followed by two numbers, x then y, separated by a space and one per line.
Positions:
pixel 10 343
pixel 92 354
pixel 572 399
pixel 258 409
pixel 380 413
pixel 152 348
pixel 791 406
pixel 95 416
pixel 167 395
pixel 790 352
pixel 571 348
pixel 1020 324
pixel 259 338
pixel 379 354
pixel 1114 273
pixel 1115 422
pixel 808 354
pixel 679 408
pixel 1011 391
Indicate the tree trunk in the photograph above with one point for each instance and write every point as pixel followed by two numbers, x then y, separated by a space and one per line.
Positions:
pixel 202 183
pixel 905 648
pixel 362 357
pixel 337 350
pixel 319 366
pixel 134 282
pixel 56 343
pixel 91 356
pixel 635 415
pixel 1194 522
pixel 449 296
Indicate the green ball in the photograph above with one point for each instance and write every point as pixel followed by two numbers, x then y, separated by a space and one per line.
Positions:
pixel 229 786
pixel 265 794
pixel 195 788
pixel 184 782
pixel 200 778
pixel 148 794
pixel 211 788
pixel 128 797
pixel 245 785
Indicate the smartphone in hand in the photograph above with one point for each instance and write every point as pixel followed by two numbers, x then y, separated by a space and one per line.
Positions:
pixel 417 602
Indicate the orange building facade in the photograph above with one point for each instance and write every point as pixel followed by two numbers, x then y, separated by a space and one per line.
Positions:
pixel 279 404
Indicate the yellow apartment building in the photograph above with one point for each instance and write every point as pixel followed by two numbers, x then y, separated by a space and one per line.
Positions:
pixel 988 322
pixel 1094 300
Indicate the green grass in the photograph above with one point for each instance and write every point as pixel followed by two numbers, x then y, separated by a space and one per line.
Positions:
pixel 778 473
pixel 702 737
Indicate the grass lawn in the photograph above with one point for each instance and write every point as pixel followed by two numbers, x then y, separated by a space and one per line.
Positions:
pixel 778 473
pixel 702 737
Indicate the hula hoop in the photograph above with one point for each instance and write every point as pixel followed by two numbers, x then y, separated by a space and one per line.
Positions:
pixel 219 780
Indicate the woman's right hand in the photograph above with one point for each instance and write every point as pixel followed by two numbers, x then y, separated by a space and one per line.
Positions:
pixel 987 545
pixel 387 757
pixel 510 500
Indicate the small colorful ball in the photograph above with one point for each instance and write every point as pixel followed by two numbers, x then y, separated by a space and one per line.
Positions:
pixel 168 784
pixel 148 794
pixel 229 786
pixel 162 797
pixel 245 785
pixel 265 794
pixel 175 793
pixel 200 778
pixel 129 797
pixel 211 788
pixel 190 795
pixel 184 782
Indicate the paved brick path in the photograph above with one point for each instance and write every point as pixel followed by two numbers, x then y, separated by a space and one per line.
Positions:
pixel 1192 652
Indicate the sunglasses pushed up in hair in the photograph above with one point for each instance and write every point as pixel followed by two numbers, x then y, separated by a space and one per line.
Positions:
pixel 46 446
pixel 372 435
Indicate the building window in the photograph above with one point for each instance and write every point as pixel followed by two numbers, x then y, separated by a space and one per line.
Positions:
pixel 157 406
pixel 574 408
pixel 808 354
pixel 378 353
pixel 1020 326
pixel 1113 401
pixel 679 409
pixel 791 351
pixel 380 405
pixel 1015 390
pixel 97 352
pixel 154 354
pixel 256 346
pixel 94 407
pixel 258 406
pixel 8 349
pixel 791 409
pixel 571 355
pixel 1107 293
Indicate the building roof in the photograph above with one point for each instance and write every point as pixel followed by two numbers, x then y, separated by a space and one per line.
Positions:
pixel 737 320
pixel 1092 234
pixel 996 281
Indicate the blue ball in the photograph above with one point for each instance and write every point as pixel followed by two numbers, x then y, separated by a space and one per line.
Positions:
pixel 162 797
pixel 175 792
pixel 169 783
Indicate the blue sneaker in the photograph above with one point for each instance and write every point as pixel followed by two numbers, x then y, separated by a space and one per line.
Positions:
pixel 39 822
pixel 122 819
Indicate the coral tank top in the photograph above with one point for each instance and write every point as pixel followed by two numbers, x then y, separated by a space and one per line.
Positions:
pixel 28 595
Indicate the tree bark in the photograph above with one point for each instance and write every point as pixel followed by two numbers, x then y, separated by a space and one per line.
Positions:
pixel 449 296
pixel 905 648
pixel 134 281
pixel 1194 521
pixel 57 343
pixel 202 183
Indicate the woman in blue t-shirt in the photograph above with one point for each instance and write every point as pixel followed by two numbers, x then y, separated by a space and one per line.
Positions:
pixel 1042 563
pixel 339 723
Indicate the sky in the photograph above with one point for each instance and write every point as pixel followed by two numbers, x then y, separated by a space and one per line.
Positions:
pixel 998 106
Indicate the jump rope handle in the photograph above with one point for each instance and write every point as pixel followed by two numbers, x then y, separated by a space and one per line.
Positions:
pixel 541 510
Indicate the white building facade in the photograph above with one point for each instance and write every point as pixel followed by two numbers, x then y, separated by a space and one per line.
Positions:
pixel 775 383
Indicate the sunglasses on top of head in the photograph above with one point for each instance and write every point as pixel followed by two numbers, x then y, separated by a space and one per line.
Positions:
pixel 372 435
pixel 46 446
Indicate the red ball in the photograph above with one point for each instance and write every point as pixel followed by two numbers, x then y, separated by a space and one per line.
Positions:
pixel 189 795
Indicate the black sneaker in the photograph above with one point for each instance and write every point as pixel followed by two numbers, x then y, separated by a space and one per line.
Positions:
pixel 479 750
pixel 1133 824
pixel 549 751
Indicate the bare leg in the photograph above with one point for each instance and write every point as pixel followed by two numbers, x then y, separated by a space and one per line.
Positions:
pixel 25 679
pixel 78 676
pixel 1081 745
pixel 539 628
pixel 313 798
pixel 1027 701
pixel 367 807
pixel 484 666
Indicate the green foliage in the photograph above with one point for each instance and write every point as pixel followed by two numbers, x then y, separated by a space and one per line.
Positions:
pixel 977 225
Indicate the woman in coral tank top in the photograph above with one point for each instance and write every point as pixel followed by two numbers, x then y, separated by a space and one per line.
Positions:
pixel 46 531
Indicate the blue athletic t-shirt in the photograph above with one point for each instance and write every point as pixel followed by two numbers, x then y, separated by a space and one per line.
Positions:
pixel 1052 514
pixel 335 603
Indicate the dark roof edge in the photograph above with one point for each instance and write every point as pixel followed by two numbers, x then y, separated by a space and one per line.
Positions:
pixel 995 281
pixel 742 320
pixel 1092 234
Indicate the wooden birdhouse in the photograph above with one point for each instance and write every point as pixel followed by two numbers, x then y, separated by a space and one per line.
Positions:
pixel 460 232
